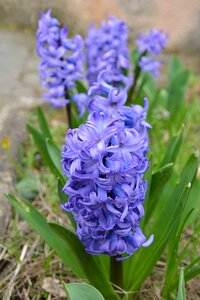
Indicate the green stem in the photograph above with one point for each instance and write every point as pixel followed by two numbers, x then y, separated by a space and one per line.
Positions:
pixel 116 272
pixel 68 109
pixel 137 75
pixel 68 112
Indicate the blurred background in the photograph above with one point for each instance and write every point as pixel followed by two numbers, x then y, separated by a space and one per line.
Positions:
pixel 180 18
pixel 18 23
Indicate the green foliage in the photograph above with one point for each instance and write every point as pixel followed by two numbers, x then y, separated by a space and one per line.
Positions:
pixel 27 187
pixel 39 224
pixel 171 203
pixel 89 263
pixel 82 291
pixel 43 123
pixel 178 78
pixel 181 287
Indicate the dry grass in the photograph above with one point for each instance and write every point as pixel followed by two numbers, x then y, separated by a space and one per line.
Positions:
pixel 29 269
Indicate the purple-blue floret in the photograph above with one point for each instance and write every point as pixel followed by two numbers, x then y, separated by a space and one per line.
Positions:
pixel 107 49
pixel 150 46
pixel 103 97
pixel 61 59
pixel 153 42
pixel 105 160
pixel 150 64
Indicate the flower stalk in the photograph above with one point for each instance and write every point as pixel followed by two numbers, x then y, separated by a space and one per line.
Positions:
pixel 116 272
pixel 68 109
pixel 136 76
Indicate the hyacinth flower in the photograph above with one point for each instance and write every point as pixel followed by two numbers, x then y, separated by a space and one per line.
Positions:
pixel 105 160
pixel 150 64
pixel 149 48
pixel 153 42
pixel 61 59
pixel 107 49
pixel 102 97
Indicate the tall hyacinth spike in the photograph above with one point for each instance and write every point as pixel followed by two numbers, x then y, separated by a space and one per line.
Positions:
pixel 107 49
pixel 61 59
pixel 151 45
pixel 105 160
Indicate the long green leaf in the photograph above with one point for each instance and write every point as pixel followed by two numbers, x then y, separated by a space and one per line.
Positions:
pixel 181 287
pixel 54 153
pixel 80 87
pixel 62 196
pixel 192 264
pixel 39 224
pixel 192 273
pixel 148 177
pixel 151 255
pixel 177 83
pixel 43 123
pixel 167 219
pixel 173 259
pixel 41 144
pixel 89 264
pixel 82 291
pixel 64 199
pixel 158 182
pixel 173 149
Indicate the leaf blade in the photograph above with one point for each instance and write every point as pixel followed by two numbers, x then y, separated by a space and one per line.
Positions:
pixel 82 291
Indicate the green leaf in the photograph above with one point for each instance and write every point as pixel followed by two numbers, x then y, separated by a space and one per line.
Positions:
pixel 54 153
pixel 40 225
pixel 43 123
pixel 190 270
pixel 134 57
pixel 62 196
pixel 177 83
pixel 82 291
pixel 175 65
pixel 80 87
pixel 164 224
pixel 49 152
pixel 173 149
pixel 192 273
pixel 64 199
pixel 41 144
pixel 89 263
pixel 192 264
pixel 181 287
pixel 193 202
pixel 158 181
pixel 162 233
pixel 173 259
pixel 27 187
pixel 148 177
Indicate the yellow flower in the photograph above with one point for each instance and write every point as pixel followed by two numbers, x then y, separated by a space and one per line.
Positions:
pixel 5 143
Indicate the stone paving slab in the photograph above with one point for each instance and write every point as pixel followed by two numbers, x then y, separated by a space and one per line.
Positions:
pixel 19 92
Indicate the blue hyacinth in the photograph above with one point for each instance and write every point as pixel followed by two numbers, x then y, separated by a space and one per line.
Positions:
pixel 151 45
pixel 61 59
pixel 150 64
pixel 105 160
pixel 107 49
pixel 103 97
